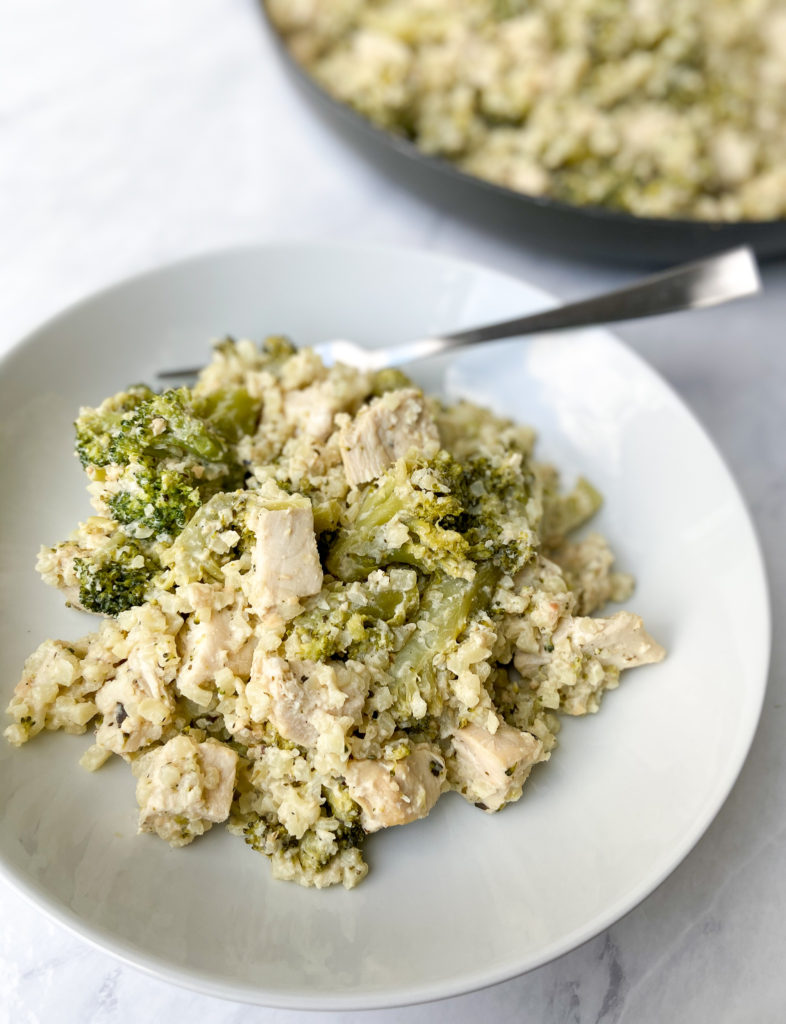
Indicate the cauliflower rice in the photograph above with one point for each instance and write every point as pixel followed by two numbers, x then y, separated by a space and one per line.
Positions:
pixel 663 108
pixel 326 599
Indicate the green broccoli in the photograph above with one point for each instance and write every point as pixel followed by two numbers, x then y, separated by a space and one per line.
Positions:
pixel 439 515
pixel 154 459
pixel 339 803
pixel 446 606
pixel 267 837
pixel 345 618
pixel 276 349
pixel 97 429
pixel 139 423
pixel 211 538
pixel 493 493
pixel 315 849
pixel 401 518
pixel 232 413
pixel 389 379
pixel 115 578
pixel 158 502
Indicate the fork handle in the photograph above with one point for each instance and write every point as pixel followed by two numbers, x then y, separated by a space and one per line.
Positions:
pixel 707 282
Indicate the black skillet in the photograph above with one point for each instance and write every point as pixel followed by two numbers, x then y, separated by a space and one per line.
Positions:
pixel 582 230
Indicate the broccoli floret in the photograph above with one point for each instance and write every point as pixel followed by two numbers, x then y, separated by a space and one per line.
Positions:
pixel 140 422
pixel 212 538
pixel 439 515
pixel 233 413
pixel 327 513
pixel 100 568
pixel 493 493
pixel 445 608
pixel 154 458
pixel 117 579
pixel 267 837
pixel 312 853
pixel 401 518
pixel 276 350
pixel 97 429
pixel 503 9
pixel 340 804
pixel 158 503
pixel 348 618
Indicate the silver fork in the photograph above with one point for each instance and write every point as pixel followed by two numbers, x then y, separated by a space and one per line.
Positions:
pixel 707 282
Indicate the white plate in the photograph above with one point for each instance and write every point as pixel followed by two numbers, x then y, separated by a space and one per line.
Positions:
pixel 461 899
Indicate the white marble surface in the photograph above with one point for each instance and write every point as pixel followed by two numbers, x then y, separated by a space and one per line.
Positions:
pixel 135 133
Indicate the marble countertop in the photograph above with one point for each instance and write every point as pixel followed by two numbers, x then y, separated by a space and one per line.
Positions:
pixel 136 133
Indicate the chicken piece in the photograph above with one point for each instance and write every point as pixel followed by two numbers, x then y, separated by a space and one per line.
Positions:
pixel 384 431
pixel 489 769
pixel 620 641
pixel 307 702
pixel 396 792
pixel 133 716
pixel 135 699
pixel 285 560
pixel 207 645
pixel 311 410
pixel 185 787
pixel 587 568
pixel 583 660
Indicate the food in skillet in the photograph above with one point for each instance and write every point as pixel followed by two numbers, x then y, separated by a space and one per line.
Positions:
pixel 662 108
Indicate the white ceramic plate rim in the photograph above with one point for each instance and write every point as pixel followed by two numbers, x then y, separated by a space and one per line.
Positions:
pixel 106 941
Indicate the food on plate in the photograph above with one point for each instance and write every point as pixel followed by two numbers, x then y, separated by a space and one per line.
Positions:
pixel 323 600
pixel 663 108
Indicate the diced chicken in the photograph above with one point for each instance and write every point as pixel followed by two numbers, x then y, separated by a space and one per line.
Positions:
pixel 206 645
pixel 396 792
pixel 136 700
pixel 583 660
pixel 133 717
pixel 587 568
pixel 310 703
pixel 620 641
pixel 489 769
pixel 311 410
pixel 152 662
pixel 184 788
pixel 384 431
pixel 285 560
